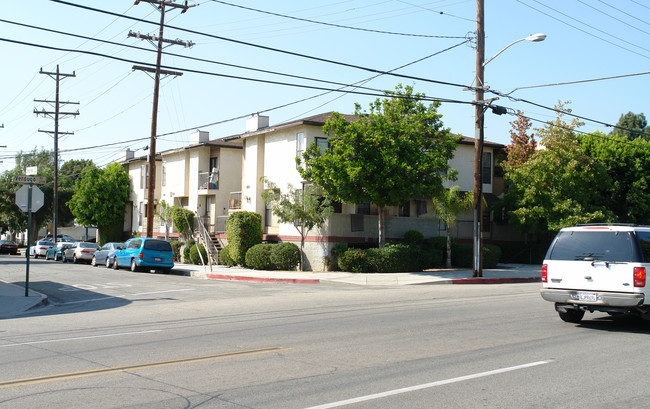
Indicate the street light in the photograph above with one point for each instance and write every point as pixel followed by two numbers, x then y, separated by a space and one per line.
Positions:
pixel 480 107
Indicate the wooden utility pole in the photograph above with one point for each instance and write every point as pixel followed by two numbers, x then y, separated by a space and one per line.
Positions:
pixel 151 184
pixel 479 110
pixel 56 115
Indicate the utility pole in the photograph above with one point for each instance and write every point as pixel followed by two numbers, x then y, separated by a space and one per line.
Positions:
pixel 160 4
pixel 56 115
pixel 479 110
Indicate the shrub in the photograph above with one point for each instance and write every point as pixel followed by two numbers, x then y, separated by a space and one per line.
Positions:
pixel 176 246
pixel 194 254
pixel 355 261
pixel 244 231
pixel 436 258
pixel 413 237
pixel 285 256
pixel 258 257
pixel 186 251
pixel 491 255
pixel 225 258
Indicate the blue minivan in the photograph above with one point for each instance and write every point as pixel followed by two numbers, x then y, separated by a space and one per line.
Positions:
pixel 144 254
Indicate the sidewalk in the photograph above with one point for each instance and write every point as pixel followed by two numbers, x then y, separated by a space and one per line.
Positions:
pixel 504 273
pixel 14 302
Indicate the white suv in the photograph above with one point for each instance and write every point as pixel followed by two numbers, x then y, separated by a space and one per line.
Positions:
pixel 598 268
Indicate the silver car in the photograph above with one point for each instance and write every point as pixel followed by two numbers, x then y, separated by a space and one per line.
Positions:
pixel 106 254
pixel 80 251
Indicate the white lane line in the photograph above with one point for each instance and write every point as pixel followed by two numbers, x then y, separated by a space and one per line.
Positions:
pixel 78 338
pixel 426 385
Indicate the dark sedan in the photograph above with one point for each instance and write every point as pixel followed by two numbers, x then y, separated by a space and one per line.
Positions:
pixel 8 247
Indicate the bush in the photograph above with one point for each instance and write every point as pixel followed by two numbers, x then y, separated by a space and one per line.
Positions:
pixel 225 258
pixel 355 261
pixel 413 237
pixel 391 259
pixel 258 257
pixel 194 254
pixel 285 256
pixel 186 251
pixel 176 246
pixel 462 255
pixel 244 231
pixel 436 258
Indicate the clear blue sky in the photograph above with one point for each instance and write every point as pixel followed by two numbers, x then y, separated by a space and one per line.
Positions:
pixel 586 40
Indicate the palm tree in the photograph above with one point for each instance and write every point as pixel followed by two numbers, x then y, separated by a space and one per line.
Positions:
pixel 448 203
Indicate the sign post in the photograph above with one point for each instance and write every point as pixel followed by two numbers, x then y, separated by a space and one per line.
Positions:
pixel 29 198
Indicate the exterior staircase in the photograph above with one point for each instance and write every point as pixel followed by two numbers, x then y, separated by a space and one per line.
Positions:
pixel 208 242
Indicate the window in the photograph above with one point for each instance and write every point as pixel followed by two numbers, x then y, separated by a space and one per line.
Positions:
pixel 421 207
pixel 157 245
pixel 144 176
pixel 164 175
pixel 322 144
pixel 300 144
pixel 140 214
pixel 363 208
pixel 592 246
pixel 487 167
pixel 134 244
pixel 405 209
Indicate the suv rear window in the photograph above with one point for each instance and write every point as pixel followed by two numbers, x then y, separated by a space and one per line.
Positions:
pixel 593 246
pixel 159 245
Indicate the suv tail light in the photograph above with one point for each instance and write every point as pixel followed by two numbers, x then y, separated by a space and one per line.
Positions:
pixel 140 257
pixel 545 273
pixel 639 276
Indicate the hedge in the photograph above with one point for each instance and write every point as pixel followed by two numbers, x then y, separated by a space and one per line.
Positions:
pixel 244 230
pixel 258 257
pixel 194 254
pixel 267 256
pixel 390 259
pixel 225 258
pixel 462 255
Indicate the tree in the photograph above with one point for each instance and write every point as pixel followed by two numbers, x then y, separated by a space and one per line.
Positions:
pixel 560 185
pixel 70 172
pixel 522 144
pixel 448 203
pixel 304 208
pixel 632 126
pixel 396 151
pixel 100 198
pixel 183 220
pixel 628 166
pixel 166 212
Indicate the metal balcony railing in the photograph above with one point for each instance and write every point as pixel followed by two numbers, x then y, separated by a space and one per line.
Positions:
pixel 208 180
pixel 235 200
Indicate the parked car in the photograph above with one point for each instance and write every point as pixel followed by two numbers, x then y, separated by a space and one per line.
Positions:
pixel 60 237
pixel 106 254
pixel 8 247
pixel 56 252
pixel 145 254
pixel 40 247
pixel 598 268
pixel 80 251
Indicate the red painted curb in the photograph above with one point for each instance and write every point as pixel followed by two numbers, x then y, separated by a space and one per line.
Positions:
pixel 481 280
pixel 263 279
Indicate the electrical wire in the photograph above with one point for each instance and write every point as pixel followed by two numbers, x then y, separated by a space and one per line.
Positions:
pixel 295 54
pixel 577 82
pixel 330 24
pixel 612 17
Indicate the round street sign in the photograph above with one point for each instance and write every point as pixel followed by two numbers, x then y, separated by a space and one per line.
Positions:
pixel 38 198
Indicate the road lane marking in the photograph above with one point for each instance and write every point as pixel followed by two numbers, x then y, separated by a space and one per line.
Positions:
pixel 427 385
pixel 78 338
pixel 102 371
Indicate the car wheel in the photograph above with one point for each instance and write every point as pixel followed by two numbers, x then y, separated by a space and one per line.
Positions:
pixel 115 265
pixel 56 258
pixel 74 259
pixel 93 262
pixel 35 255
pixel 64 259
pixel 574 316
pixel 134 266
pixel 46 257
pixel 108 262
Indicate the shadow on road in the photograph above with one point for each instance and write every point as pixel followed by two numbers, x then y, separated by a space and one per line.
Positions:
pixel 65 299
pixel 620 323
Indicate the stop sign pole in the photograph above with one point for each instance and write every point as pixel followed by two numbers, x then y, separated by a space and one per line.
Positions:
pixel 28 179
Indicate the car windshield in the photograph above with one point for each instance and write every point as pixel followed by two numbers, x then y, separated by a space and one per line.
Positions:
pixel 610 246
pixel 88 245
pixel 159 245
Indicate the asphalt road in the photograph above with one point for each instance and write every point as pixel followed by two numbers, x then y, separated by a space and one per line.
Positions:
pixel 122 339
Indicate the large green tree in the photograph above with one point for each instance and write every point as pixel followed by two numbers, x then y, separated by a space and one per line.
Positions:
pixel 397 150
pixel 100 198
pixel 69 173
pixel 627 163
pixel 559 185
pixel 632 126
pixel 304 208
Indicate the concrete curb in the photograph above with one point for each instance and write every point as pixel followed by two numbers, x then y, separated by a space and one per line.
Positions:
pixel 263 279
pixel 483 280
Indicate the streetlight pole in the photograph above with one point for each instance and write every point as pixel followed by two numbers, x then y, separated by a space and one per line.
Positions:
pixel 479 110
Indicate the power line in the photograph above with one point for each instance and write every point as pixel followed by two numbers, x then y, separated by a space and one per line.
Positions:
pixel 612 17
pixel 295 54
pixel 331 24
pixel 578 81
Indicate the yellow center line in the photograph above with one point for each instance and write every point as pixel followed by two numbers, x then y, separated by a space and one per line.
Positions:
pixel 101 371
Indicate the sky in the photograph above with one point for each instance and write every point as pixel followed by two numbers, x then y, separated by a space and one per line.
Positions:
pixel 599 47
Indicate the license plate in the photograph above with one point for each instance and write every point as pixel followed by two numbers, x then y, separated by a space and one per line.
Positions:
pixel 587 297
pixel 157 259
